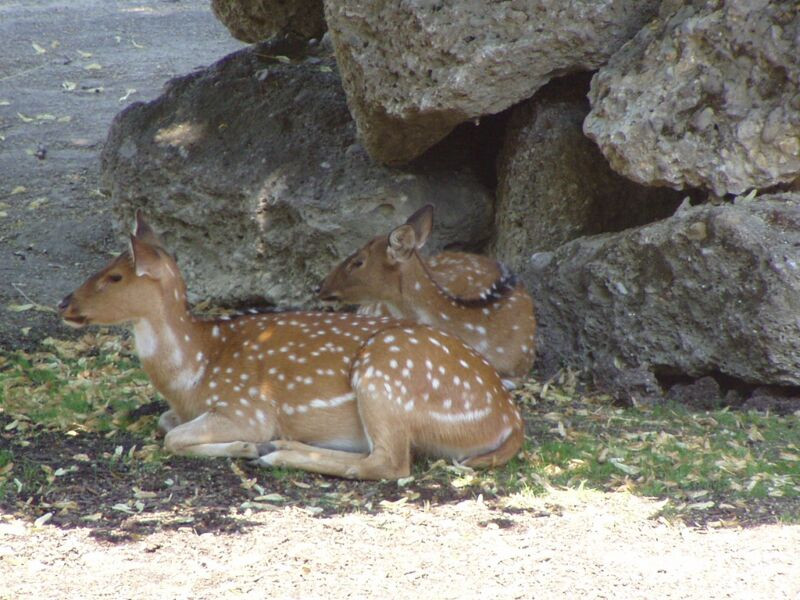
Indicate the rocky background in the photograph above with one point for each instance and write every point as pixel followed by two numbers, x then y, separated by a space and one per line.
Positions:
pixel 637 162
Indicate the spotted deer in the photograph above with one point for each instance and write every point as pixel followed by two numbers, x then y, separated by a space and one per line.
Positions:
pixel 449 292
pixel 338 394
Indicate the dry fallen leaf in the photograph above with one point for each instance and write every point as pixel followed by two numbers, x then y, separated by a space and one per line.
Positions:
pixel 270 498
pixel 127 95
pixel 29 306
pixel 143 494
pixel 38 48
pixel 19 307
pixel 93 66
pixel 43 519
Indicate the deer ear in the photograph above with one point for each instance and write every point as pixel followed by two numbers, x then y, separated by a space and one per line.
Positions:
pixel 422 223
pixel 402 243
pixel 144 232
pixel 147 260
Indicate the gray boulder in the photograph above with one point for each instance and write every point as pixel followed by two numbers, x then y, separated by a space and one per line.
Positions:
pixel 252 171
pixel 554 185
pixel 711 290
pixel 707 97
pixel 257 20
pixel 414 70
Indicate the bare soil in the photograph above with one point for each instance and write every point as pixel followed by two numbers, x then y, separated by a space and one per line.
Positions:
pixel 187 528
pixel 562 545
pixel 67 67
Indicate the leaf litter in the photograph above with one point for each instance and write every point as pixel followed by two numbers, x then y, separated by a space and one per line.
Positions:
pixel 78 441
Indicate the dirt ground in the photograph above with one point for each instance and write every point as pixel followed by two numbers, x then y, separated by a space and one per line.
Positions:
pixel 195 528
pixel 567 545
pixel 67 67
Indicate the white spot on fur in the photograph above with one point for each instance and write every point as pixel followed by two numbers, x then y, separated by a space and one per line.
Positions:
pixel 461 417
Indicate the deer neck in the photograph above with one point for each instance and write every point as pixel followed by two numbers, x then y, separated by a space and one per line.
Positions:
pixel 421 296
pixel 173 348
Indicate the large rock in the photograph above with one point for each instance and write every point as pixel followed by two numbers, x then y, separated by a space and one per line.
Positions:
pixel 252 170
pixel 554 185
pixel 413 70
pixel 257 20
pixel 707 97
pixel 713 290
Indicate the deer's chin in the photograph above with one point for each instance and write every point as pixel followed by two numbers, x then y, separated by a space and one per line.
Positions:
pixel 76 322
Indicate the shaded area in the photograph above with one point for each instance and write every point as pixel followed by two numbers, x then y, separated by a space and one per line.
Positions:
pixel 121 487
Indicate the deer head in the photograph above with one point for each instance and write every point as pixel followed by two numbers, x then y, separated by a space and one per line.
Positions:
pixel 113 294
pixel 375 272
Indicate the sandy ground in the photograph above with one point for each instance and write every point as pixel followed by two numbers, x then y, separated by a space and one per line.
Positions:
pixel 568 545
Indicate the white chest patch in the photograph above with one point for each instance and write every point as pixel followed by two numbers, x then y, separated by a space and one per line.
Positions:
pixel 146 339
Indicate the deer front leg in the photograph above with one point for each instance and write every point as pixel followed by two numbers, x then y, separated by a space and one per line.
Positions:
pixel 213 434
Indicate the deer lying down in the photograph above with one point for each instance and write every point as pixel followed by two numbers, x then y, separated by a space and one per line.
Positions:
pixel 448 292
pixel 338 394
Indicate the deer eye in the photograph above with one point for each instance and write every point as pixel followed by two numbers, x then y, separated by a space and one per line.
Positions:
pixel 357 263
pixel 115 277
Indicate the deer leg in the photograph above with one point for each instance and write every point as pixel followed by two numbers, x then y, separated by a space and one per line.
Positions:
pixel 210 434
pixel 378 464
pixel 390 446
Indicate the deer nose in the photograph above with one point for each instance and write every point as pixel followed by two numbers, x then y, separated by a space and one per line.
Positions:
pixel 62 306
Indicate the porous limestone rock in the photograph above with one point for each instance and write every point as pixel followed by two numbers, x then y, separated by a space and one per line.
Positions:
pixel 414 70
pixel 712 290
pixel 554 185
pixel 708 96
pixel 252 172
pixel 257 20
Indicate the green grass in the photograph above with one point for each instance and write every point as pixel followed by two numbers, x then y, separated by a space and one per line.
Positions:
pixel 719 462
pixel 92 384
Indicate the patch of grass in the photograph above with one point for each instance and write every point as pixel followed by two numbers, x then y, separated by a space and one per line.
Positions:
pixel 93 384
pixel 708 464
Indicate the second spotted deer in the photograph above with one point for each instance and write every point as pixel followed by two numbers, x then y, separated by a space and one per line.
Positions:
pixel 338 394
pixel 471 297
